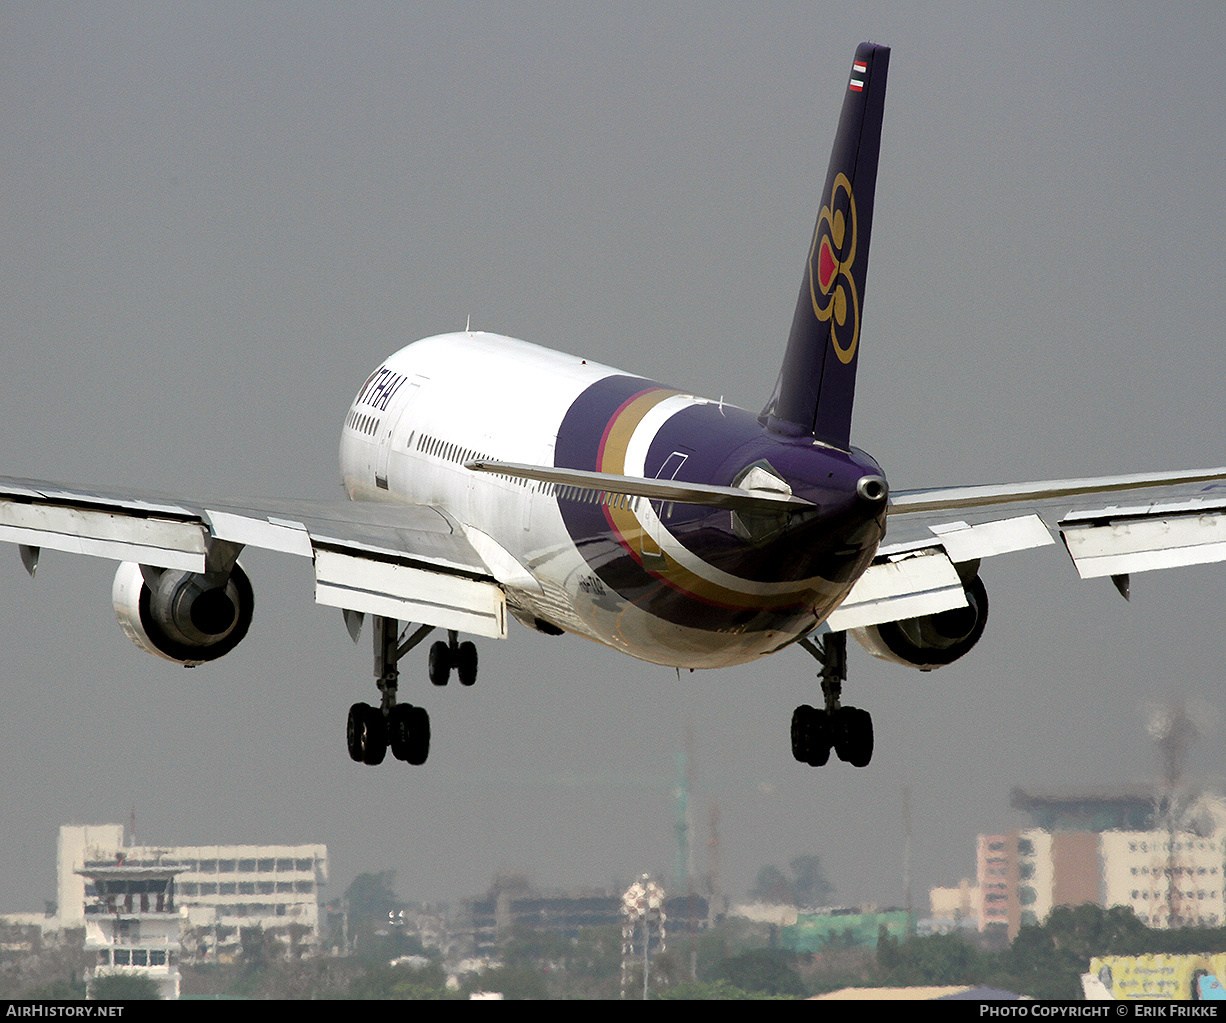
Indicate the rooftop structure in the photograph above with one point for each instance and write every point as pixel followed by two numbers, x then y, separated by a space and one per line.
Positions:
pixel 1102 808
pixel 132 924
pixel 953 908
pixel 565 914
pixel 847 926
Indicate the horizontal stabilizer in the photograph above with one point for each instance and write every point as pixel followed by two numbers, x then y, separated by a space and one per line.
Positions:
pixel 759 502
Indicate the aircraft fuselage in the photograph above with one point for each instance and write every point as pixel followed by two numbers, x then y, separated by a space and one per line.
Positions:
pixel 674 584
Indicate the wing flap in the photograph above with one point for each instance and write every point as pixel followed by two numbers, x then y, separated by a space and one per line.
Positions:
pixel 164 543
pixel 410 594
pixel 963 542
pixel 1177 519
pixel 1121 541
pixel 268 533
pixel 901 584
pixel 407 562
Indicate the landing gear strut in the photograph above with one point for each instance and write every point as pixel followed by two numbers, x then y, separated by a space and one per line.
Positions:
pixel 400 725
pixel 403 727
pixel 848 730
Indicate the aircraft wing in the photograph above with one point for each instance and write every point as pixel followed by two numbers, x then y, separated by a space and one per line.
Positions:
pixel 409 562
pixel 1111 526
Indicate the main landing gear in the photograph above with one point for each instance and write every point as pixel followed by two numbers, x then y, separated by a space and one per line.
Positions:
pixel 846 730
pixel 403 727
pixel 446 656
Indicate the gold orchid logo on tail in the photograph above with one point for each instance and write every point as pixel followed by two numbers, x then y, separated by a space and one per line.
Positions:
pixel 830 260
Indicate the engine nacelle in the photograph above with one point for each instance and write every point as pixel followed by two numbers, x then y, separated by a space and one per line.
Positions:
pixel 930 641
pixel 182 616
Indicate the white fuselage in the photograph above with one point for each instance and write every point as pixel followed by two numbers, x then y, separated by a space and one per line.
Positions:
pixel 447 400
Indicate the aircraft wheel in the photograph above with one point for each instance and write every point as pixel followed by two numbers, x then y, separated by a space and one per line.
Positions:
pixel 800 732
pixel 466 663
pixel 810 736
pixel 354 732
pixel 819 738
pixel 419 737
pixel 400 730
pixel 440 663
pixel 409 733
pixel 366 734
pixel 853 736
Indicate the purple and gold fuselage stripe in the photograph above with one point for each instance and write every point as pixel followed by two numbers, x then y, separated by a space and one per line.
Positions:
pixel 632 536
pixel 611 455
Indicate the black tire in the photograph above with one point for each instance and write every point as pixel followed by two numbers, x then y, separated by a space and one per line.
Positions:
pixel 800 732
pixel 819 738
pixel 439 668
pixel 355 732
pixel 799 729
pixel 400 730
pixel 366 734
pixel 419 732
pixel 810 735
pixel 853 732
pixel 376 737
pixel 466 663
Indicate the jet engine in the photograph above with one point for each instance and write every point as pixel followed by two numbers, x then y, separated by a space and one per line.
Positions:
pixel 930 641
pixel 185 617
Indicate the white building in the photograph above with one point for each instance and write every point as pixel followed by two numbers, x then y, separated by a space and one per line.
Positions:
pixel 218 889
pixel 1170 879
pixel 954 908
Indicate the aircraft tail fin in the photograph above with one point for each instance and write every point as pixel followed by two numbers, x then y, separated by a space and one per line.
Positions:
pixel 817 384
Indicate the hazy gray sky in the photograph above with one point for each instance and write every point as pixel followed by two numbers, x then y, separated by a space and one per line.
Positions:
pixel 217 220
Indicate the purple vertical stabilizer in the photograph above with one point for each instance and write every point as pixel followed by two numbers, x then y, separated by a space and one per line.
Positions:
pixel 817 384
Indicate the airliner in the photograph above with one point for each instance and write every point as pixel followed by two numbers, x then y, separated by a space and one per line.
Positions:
pixel 487 477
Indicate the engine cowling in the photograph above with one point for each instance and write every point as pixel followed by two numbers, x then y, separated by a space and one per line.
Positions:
pixel 930 641
pixel 185 617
